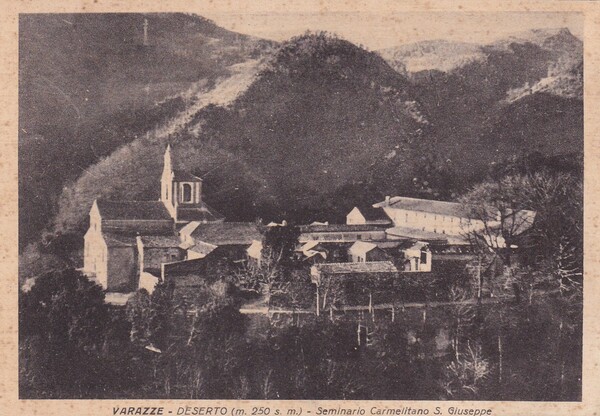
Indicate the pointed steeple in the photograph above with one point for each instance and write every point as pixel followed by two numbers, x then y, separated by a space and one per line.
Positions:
pixel 166 183
pixel 168 161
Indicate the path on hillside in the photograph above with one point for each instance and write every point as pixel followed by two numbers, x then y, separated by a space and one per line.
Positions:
pixel 225 91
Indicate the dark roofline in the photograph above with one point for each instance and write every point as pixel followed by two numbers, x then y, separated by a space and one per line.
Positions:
pixel 371 213
pixel 336 228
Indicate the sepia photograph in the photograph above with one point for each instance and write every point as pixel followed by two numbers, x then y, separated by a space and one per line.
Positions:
pixel 301 205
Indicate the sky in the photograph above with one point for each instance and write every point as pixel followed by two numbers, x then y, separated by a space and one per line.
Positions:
pixel 377 30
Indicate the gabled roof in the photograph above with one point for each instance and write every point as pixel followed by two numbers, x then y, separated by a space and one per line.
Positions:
pixel 200 213
pixel 202 248
pixel 189 228
pixel 160 241
pixel 311 245
pixel 227 233
pixel 362 247
pixel 118 240
pixel 452 209
pixel 133 210
pixel 418 245
pixel 183 176
pixel 371 213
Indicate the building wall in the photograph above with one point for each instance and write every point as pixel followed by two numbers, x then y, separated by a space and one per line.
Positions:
pixel 416 258
pixel 343 236
pixel 437 223
pixel 187 267
pixel 95 257
pixel 122 269
pixel 355 217
pixel 155 256
pixel 148 281
pixel 376 254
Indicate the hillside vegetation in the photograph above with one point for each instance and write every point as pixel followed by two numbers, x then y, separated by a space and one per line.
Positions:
pixel 319 125
pixel 326 125
pixel 320 114
pixel 89 84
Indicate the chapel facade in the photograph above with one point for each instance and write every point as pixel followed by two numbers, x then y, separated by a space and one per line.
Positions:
pixel 128 239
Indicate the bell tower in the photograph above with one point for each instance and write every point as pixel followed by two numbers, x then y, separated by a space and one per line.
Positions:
pixel 180 191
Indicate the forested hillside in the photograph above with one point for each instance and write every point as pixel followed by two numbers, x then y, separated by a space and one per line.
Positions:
pixel 89 84
pixel 317 125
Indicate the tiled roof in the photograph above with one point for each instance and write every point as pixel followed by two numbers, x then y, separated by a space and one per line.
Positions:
pixel 336 228
pixel 373 214
pixel 352 268
pixel 362 247
pixel 133 210
pixel 183 176
pixel 118 240
pixel 202 248
pixel 227 233
pixel 200 213
pixel 453 209
pixel 160 241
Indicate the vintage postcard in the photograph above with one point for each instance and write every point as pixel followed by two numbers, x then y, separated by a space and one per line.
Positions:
pixel 320 208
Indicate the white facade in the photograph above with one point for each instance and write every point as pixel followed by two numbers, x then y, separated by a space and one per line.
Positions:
pixel 355 217
pixel 95 252
pixel 419 256
pixel 168 194
pixel 432 222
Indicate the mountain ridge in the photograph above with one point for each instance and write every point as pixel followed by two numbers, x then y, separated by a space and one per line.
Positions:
pixel 320 124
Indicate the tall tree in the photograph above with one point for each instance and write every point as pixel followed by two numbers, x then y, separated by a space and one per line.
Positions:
pixel 63 321
pixel 540 212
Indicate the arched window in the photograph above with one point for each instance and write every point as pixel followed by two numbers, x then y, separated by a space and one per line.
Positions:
pixel 187 192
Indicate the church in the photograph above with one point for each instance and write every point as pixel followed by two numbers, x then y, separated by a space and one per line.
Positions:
pixel 136 244
pixel 129 243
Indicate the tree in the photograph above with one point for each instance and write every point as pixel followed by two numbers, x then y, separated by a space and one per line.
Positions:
pixel 281 242
pixel 63 322
pixel 465 375
pixel 272 273
pixel 497 216
pixel 541 213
